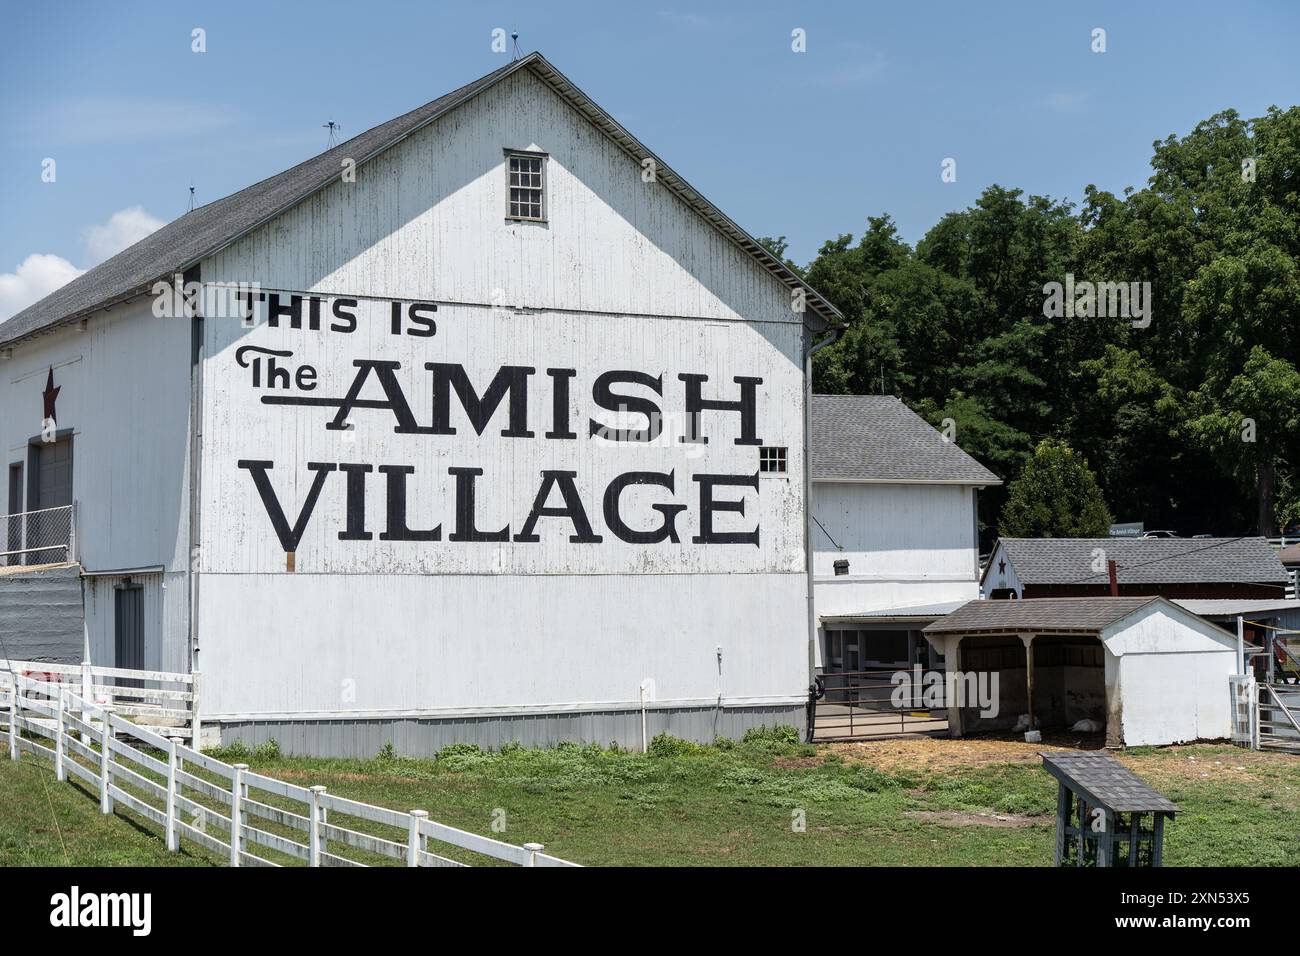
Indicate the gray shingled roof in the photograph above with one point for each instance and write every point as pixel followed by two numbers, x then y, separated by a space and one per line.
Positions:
pixel 1107 781
pixel 1040 615
pixel 207 229
pixel 878 438
pixel 1144 560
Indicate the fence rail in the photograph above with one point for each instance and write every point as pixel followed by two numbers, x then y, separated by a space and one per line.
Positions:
pixel 247 818
pixel 43 536
pixel 166 701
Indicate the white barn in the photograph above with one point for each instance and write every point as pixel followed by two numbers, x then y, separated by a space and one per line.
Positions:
pixel 895 529
pixel 487 417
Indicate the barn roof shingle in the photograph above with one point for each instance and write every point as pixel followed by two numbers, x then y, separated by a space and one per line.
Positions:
pixel 209 228
pixel 878 438
pixel 1144 560
pixel 1040 615
pixel 1107 781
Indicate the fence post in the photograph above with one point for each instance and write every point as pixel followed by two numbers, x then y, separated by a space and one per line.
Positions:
pixel 173 842
pixel 533 849
pixel 194 711
pixel 105 760
pixel 236 812
pixel 59 773
pixel 315 843
pixel 13 717
pixel 413 840
pixel 87 684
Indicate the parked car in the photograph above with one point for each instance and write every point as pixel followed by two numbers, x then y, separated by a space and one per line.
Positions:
pixel 1159 534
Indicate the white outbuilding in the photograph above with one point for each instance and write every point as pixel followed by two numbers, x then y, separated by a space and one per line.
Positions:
pixel 1145 670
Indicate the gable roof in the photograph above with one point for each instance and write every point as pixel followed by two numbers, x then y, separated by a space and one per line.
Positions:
pixel 1043 615
pixel 1143 560
pixel 206 230
pixel 878 438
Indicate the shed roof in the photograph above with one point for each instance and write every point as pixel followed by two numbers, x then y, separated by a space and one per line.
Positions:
pixel 878 438
pixel 206 230
pixel 1040 615
pixel 1231 607
pixel 912 612
pixel 1143 560
pixel 1107 781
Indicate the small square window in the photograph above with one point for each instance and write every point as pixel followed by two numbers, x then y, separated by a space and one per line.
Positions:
pixel 771 460
pixel 526 189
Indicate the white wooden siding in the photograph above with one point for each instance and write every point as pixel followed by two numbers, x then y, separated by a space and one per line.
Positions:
pixel 124 391
pixel 622 275
pixel 238 535
pixel 426 220
pixel 905 544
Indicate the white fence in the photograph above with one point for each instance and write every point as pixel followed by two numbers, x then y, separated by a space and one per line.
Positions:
pixel 166 701
pixel 1245 710
pixel 247 818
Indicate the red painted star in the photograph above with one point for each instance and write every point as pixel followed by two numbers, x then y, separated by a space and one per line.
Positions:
pixel 50 394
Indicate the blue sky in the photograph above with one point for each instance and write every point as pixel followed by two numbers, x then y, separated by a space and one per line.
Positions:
pixel 805 145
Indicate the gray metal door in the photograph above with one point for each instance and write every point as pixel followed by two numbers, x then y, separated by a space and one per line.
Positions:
pixel 128 638
pixel 54 474
pixel 51 486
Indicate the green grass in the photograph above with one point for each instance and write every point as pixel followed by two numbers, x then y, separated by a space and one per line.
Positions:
pixel 47 823
pixel 732 805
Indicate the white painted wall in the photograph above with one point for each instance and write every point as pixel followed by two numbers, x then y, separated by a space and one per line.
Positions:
pixel 124 392
pixel 1001 574
pixel 624 276
pixel 1172 678
pixel 440 644
pixel 426 220
pixel 240 426
pixel 906 544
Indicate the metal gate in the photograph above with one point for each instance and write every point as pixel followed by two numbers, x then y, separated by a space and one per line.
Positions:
pixel 1279 717
pixel 861 705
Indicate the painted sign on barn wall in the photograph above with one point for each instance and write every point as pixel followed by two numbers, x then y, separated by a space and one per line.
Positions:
pixel 359 435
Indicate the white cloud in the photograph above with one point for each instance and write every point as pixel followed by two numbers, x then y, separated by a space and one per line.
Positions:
pixel 124 228
pixel 36 277
pixel 41 273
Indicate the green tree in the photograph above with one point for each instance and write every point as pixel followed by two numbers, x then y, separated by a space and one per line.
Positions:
pixel 1056 496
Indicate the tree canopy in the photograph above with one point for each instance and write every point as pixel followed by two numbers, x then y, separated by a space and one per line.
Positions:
pixel 1191 419
pixel 1056 496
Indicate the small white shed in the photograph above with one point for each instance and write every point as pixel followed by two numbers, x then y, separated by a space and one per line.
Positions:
pixel 1147 670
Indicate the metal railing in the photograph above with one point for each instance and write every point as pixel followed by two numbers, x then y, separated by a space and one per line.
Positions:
pixel 43 536
pixel 858 704
pixel 246 818
pixel 1278 718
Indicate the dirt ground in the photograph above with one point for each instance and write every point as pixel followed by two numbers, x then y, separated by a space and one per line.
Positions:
pixel 937 754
